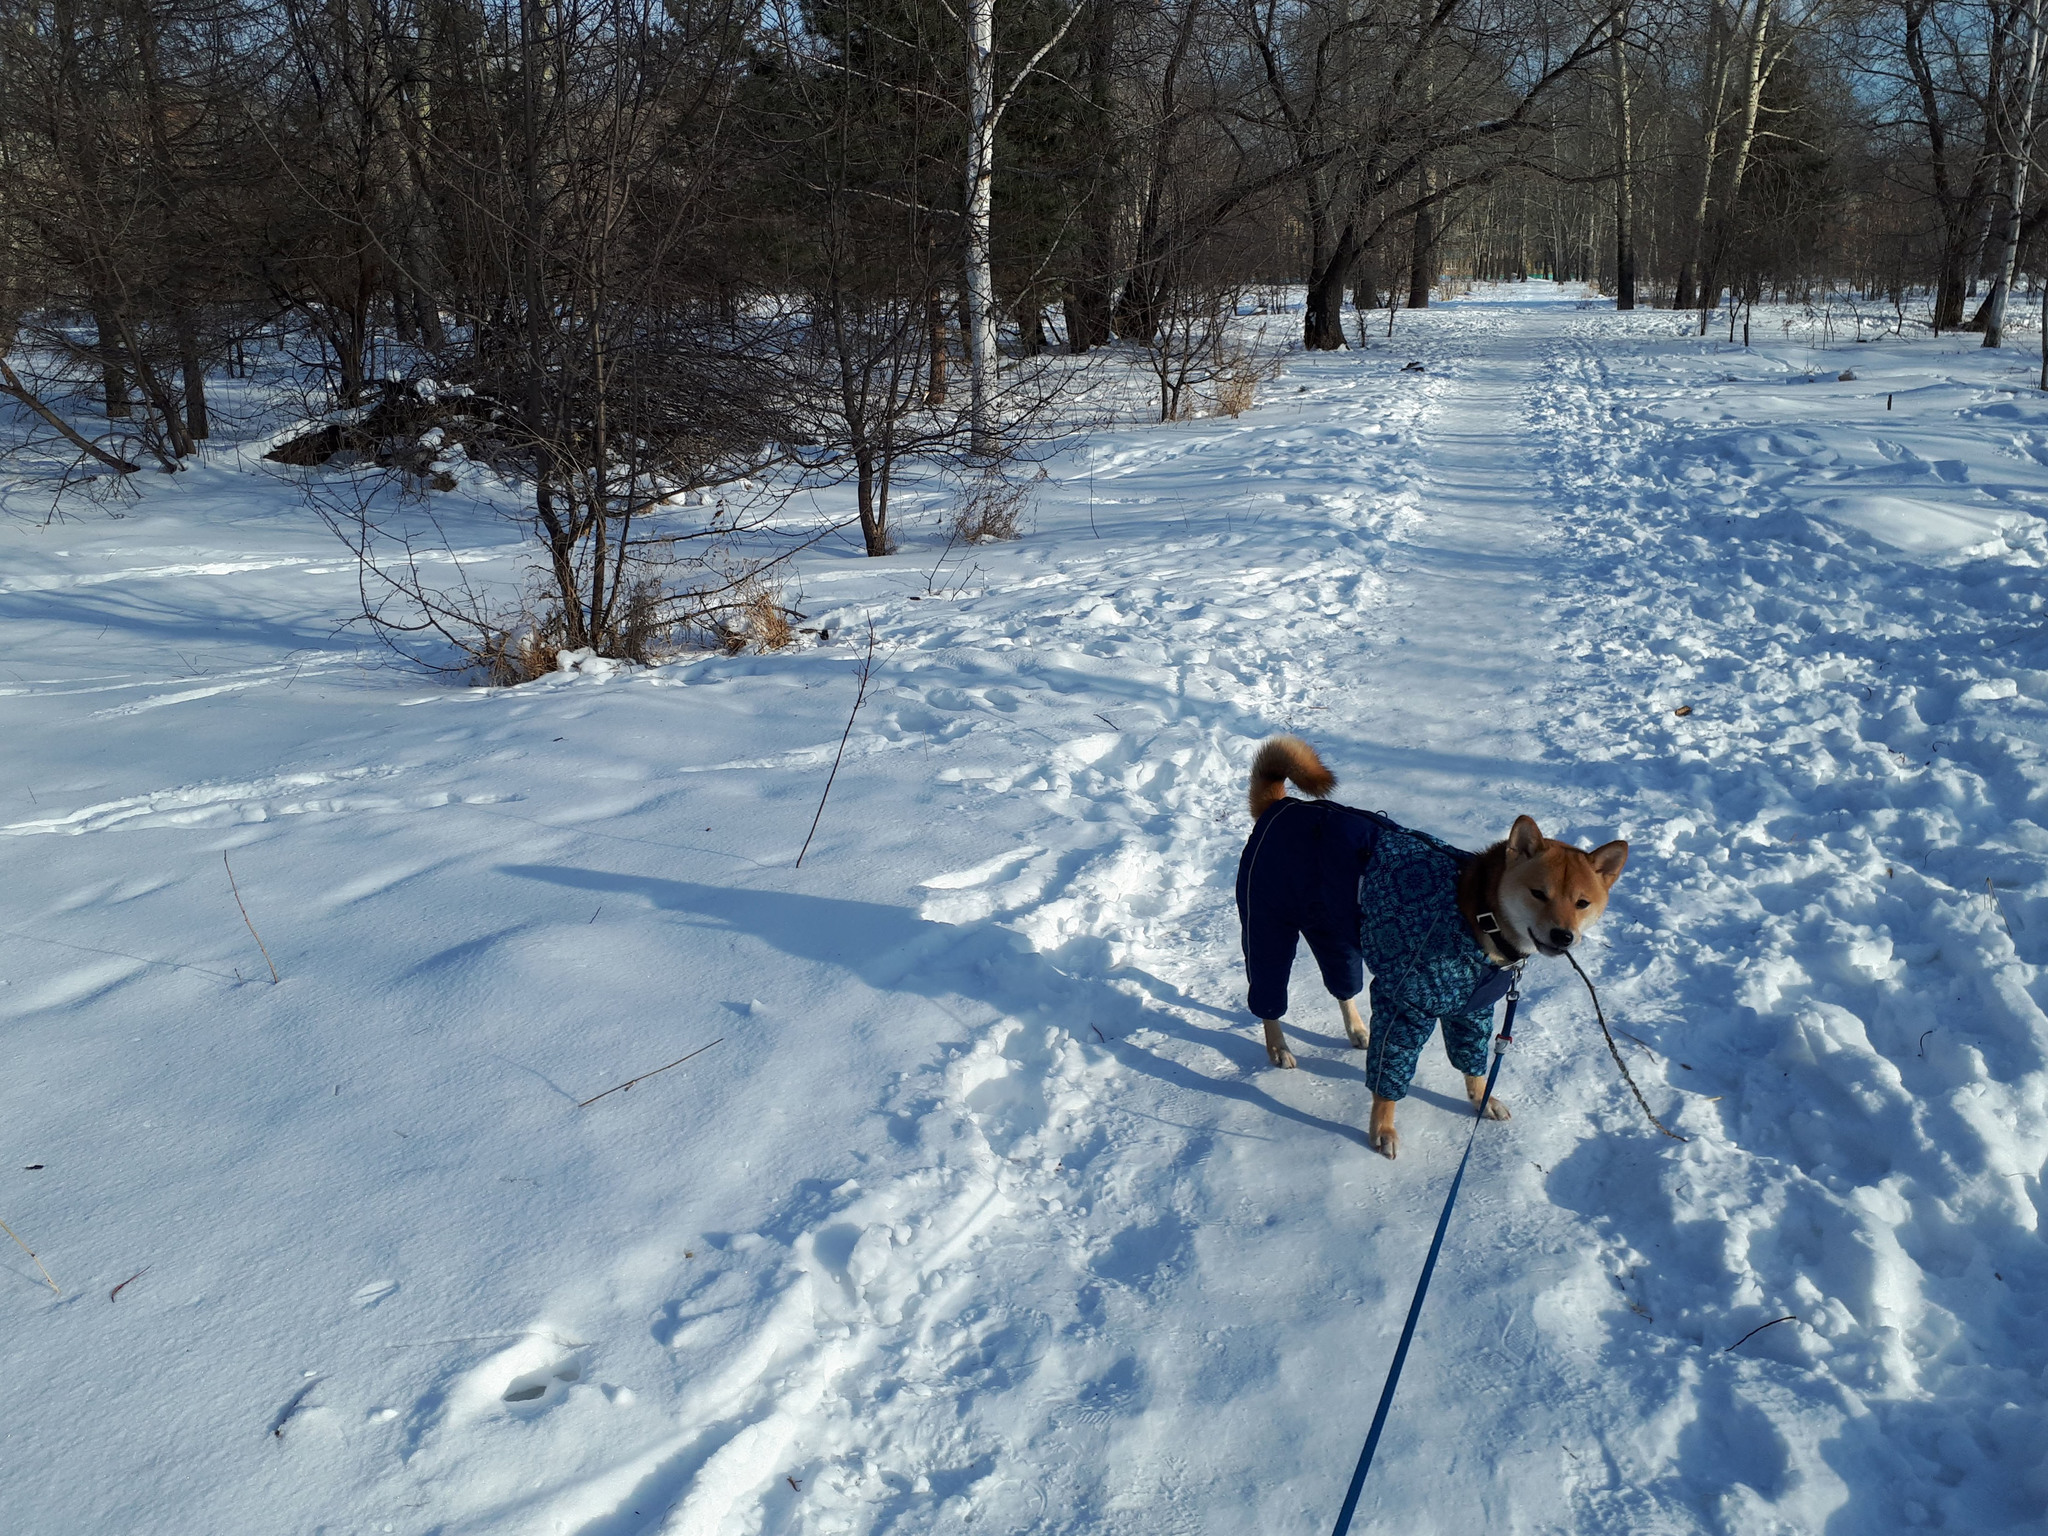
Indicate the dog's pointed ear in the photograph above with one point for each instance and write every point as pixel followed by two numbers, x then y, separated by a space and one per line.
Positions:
pixel 1608 860
pixel 1525 838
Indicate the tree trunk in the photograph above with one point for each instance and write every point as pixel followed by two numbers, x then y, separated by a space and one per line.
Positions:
pixel 1087 309
pixel 2021 154
pixel 1624 175
pixel 113 381
pixel 1031 326
pixel 874 524
pixel 154 394
pixel 1323 315
pixel 196 425
pixel 1422 247
pixel 1754 75
pixel 981 145
pixel 1090 294
pixel 1137 307
pixel 935 326
pixel 1713 95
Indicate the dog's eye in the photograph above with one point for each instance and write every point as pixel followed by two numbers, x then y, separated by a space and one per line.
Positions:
pixel 1541 895
pixel 1583 903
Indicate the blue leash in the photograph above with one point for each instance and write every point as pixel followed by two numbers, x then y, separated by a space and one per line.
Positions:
pixel 1379 1419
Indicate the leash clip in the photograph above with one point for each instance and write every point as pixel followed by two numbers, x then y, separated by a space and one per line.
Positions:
pixel 1505 1037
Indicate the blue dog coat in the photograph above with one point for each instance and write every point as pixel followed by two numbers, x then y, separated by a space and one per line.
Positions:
pixel 1366 892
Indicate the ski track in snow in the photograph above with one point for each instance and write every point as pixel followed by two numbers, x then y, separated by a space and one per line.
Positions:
pixel 988 1213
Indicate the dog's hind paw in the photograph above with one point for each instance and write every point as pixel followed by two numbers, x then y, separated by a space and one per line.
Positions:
pixel 1386 1143
pixel 1356 1030
pixel 1475 1090
pixel 1276 1044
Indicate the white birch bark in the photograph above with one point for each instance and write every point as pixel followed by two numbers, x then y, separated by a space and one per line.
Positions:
pixel 980 283
pixel 2020 157
pixel 984 110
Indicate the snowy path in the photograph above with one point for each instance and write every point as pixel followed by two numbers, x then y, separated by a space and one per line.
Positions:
pixel 988 1212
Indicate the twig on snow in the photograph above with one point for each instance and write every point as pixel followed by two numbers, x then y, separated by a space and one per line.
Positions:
pixel 1615 1051
pixel 1997 905
pixel 867 668
pixel 645 1075
pixel 117 1290
pixel 24 1247
pixel 1759 1328
pixel 245 917
pixel 291 1408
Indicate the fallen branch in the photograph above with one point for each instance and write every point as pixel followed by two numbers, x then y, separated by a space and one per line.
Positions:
pixel 10 384
pixel 291 1408
pixel 245 918
pixel 867 666
pixel 1759 1328
pixel 24 1247
pixel 645 1075
pixel 1615 1051
pixel 117 1290
pixel 1998 906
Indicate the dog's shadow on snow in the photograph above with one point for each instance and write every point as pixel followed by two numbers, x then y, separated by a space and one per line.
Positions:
pixel 893 949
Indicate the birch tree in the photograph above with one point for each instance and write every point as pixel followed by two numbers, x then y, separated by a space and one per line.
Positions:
pixel 985 108
pixel 2016 144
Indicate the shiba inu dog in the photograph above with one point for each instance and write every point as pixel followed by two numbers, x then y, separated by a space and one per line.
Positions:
pixel 1441 930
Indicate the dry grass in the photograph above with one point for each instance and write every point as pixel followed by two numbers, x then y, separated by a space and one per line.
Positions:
pixel 520 652
pixel 991 510
pixel 1235 386
pixel 760 620
pixel 654 621
pixel 768 625
pixel 1236 393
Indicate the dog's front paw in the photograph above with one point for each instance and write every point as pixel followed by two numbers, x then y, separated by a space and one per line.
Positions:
pixel 1387 1143
pixel 1495 1110
pixel 1361 1039
pixel 1279 1055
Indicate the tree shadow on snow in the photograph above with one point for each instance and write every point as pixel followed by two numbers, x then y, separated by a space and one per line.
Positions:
pixel 892 949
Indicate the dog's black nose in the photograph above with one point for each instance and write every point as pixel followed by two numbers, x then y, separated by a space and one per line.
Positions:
pixel 1561 937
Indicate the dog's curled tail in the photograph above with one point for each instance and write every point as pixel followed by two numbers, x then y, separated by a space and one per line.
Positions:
pixel 1281 759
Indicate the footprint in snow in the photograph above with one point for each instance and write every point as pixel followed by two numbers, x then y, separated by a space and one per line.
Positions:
pixel 539 1389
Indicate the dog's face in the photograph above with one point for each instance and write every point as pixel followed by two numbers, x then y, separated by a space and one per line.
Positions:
pixel 1551 892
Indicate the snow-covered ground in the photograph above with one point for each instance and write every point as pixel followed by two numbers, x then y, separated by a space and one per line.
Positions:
pixel 986 1212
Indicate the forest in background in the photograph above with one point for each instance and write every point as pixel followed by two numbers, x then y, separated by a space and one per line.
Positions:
pixel 633 251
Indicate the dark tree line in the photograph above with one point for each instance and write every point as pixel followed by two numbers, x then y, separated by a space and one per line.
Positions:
pixel 647 246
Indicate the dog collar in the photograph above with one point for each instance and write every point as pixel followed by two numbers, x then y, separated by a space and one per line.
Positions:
pixel 1489 925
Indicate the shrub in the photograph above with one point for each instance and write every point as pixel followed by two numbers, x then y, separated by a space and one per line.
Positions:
pixel 991 510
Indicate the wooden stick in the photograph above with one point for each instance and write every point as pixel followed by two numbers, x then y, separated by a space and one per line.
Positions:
pixel 117 1290
pixel 645 1075
pixel 1998 906
pixel 1760 1327
pixel 866 667
pixel 24 1247
pixel 1615 1051
pixel 245 918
